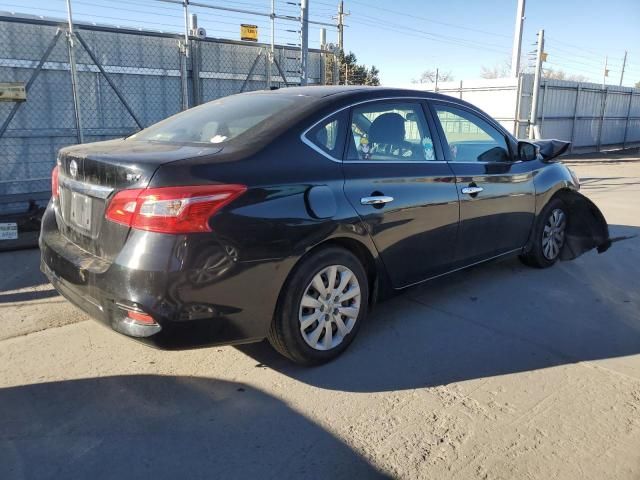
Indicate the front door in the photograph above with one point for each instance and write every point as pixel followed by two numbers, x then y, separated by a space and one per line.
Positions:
pixel 497 194
pixel 403 190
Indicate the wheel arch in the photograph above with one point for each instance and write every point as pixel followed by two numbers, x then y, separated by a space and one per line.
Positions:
pixel 587 227
pixel 371 264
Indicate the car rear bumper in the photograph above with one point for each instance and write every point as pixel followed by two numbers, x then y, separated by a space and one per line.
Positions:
pixel 202 298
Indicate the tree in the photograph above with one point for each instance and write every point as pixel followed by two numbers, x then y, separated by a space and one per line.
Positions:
pixel 499 70
pixel 429 76
pixel 353 74
pixel 637 85
pixel 561 75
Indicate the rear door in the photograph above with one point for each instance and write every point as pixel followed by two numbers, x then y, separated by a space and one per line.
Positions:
pixel 398 182
pixel 497 194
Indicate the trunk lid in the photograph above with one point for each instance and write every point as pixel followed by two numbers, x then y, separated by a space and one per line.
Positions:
pixel 90 174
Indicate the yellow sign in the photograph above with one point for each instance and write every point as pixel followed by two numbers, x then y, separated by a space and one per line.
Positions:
pixel 249 33
pixel 13 92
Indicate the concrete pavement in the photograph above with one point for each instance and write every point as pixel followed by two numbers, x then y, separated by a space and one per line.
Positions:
pixel 500 371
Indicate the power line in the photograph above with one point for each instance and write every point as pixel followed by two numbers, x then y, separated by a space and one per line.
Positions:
pixel 582 48
pixel 431 36
pixel 396 12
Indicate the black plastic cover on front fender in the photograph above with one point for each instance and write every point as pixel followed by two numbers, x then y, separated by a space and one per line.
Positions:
pixel 586 229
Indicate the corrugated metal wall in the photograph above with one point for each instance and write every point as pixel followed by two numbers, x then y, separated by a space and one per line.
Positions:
pixel 588 115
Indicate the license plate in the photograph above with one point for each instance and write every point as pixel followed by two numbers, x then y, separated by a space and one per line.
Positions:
pixel 8 231
pixel 80 211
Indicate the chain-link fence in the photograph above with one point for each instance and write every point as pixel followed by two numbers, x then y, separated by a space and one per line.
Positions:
pixel 125 80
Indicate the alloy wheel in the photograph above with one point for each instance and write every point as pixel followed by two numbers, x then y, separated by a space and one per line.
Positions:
pixel 329 307
pixel 553 234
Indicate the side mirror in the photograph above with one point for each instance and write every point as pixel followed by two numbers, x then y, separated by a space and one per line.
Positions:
pixel 527 151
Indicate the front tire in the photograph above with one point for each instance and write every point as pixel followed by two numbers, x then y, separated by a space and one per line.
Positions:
pixel 548 236
pixel 321 307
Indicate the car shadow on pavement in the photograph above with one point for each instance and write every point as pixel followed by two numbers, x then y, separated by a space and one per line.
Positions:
pixel 493 319
pixel 27 296
pixel 163 427
pixel 20 269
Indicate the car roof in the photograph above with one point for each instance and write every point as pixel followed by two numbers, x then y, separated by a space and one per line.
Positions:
pixel 323 91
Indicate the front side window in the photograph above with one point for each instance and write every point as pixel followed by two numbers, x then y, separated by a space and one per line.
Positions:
pixel 390 131
pixel 470 138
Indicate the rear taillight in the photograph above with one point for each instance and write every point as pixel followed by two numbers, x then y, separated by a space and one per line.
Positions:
pixel 55 186
pixel 171 209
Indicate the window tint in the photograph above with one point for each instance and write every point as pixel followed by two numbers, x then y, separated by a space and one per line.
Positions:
pixel 218 121
pixel 326 136
pixel 470 138
pixel 389 132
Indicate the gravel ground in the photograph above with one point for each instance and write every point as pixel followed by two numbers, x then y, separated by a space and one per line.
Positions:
pixel 498 372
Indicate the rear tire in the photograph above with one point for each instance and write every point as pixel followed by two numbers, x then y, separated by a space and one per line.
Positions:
pixel 321 308
pixel 548 236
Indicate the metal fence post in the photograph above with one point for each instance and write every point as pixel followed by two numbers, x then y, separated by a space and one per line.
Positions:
pixel 184 56
pixel 516 122
pixel 196 62
pixel 544 102
pixel 74 75
pixel 196 59
pixel 182 49
pixel 626 125
pixel 602 112
pixel 304 42
pixel 575 117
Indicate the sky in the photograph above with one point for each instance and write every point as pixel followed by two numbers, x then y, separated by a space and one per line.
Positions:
pixel 403 38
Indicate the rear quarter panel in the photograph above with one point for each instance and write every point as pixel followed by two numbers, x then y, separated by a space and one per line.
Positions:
pixel 259 238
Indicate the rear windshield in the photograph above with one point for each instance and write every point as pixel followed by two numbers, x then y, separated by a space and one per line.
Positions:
pixel 218 121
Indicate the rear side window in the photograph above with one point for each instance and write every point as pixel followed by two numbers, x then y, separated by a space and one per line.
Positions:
pixel 218 121
pixel 328 135
pixel 390 132
pixel 470 138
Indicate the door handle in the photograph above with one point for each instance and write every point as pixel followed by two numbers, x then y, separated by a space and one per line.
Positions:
pixel 472 190
pixel 376 200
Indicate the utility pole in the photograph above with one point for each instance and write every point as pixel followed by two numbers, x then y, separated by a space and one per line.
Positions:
pixel 304 43
pixel 517 40
pixel 341 26
pixel 624 64
pixel 437 75
pixel 340 20
pixel 74 75
pixel 533 118
pixel 605 74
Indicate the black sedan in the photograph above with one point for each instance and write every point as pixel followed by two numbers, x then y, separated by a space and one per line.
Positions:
pixel 286 214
